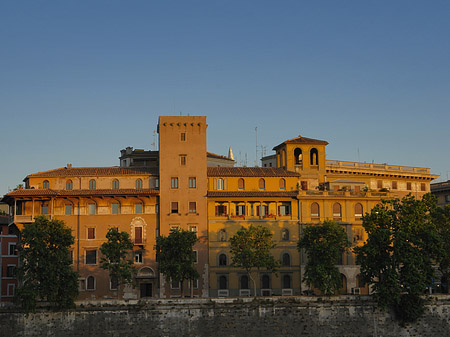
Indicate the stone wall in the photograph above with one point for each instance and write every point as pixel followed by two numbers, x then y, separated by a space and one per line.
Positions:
pixel 283 316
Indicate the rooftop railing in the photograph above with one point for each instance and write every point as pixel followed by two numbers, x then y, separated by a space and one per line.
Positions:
pixel 378 167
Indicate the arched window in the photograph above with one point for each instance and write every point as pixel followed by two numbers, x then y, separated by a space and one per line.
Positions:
pixel 241 184
pixel 286 281
pixel 315 210
pixel 265 281
pixel 222 260
pixel 282 184
pixel 298 157
pixel 220 184
pixel 337 210
pixel 90 283
pixel 92 184
pixel 45 184
pixel 314 156
pixel 223 282
pixel 262 184
pixel 138 184
pixel 222 236
pixel 285 234
pixel 115 184
pixel 286 260
pixel 244 282
pixel 358 210
pixel 69 185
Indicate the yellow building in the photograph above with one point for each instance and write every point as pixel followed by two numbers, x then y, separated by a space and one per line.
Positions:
pixel 182 185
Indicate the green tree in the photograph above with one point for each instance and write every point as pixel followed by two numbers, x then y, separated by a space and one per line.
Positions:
pixel 397 258
pixel 115 259
pixel 45 272
pixel 324 244
pixel 250 249
pixel 176 257
pixel 441 217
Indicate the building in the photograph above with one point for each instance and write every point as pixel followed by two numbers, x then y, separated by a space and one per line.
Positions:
pixel 182 185
pixel 442 192
pixel 8 260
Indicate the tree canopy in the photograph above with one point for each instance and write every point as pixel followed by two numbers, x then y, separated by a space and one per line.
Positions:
pixel 324 245
pixel 176 257
pixel 397 259
pixel 250 249
pixel 116 257
pixel 46 273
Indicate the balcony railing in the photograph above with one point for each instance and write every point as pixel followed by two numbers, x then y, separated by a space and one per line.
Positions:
pixel 378 167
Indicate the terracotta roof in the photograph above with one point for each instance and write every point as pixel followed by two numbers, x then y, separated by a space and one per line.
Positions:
pixel 302 140
pixel 64 193
pixel 260 194
pixel 218 156
pixel 250 172
pixel 94 171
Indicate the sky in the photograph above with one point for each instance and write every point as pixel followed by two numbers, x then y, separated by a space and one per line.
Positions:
pixel 81 80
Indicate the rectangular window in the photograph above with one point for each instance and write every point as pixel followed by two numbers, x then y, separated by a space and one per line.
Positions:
pixel 138 235
pixel 422 187
pixel 156 182
pixel 193 228
pixel 138 208
pixel 379 184
pixel 183 159
pixel 447 198
pixel 240 209
pixel 174 207
pixel 113 283
pixel 194 282
pixel 192 182
pixel 12 249
pixel 183 136
pixel 408 186
pixel 195 256
pixel 11 271
pixel 91 209
pixel 138 257
pixel 284 210
pixel 304 185
pixel 91 256
pixel 174 182
pixel 115 208
pixel 192 207
pixel 11 290
pixel 91 233
pixel 68 210
pixel 44 209
pixel 394 185
pixel 221 210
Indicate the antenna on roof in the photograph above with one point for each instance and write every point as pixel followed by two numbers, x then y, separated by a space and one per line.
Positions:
pixel 256 158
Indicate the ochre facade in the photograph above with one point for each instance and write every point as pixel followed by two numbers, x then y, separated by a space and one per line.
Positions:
pixel 184 186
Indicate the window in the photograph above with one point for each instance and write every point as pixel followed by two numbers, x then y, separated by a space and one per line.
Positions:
pixel 284 209
pixel 183 159
pixel 195 256
pixel 244 282
pixel 221 210
pixel 265 281
pixel 91 233
pixel 193 228
pixel 174 182
pixel 379 184
pixel 115 208
pixel 45 184
pixel 91 257
pixel 223 282
pixel 92 184
pixel 174 207
pixel 192 207
pixel 138 184
pixel 174 285
pixel 394 185
pixel 115 184
pixel 222 260
pixel 222 235
pixel 113 283
pixel 138 208
pixel 90 284
pixel 156 182
pixel 298 156
pixel 315 210
pixel 286 260
pixel 447 198
pixel 422 187
pixel 358 210
pixel 11 289
pixel 192 182
pixel 44 209
pixel 91 209
pixel 194 282
pixel 337 210
pixel 241 184
pixel 10 271
pixel 282 184
pixel 240 209
pixel 285 234
pixel 138 235
pixel 314 157
pixel 408 186
pixel 68 210
pixel 262 184
pixel 220 184
pixel 69 185
pixel 12 248
pixel 286 281
pixel 183 136
pixel 304 185
pixel 138 257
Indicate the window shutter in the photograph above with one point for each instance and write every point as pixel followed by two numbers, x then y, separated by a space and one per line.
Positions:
pixel 225 210
pixel 217 210
pixel 215 184
pixel 279 210
pixel 225 184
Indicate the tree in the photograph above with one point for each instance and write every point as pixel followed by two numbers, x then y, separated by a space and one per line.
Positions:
pixel 176 257
pixel 250 248
pixel 397 259
pixel 324 244
pixel 115 257
pixel 441 217
pixel 46 272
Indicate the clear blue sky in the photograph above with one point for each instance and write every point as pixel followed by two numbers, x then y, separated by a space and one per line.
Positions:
pixel 80 80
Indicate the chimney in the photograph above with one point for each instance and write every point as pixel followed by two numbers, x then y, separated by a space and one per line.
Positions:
pixel 69 166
